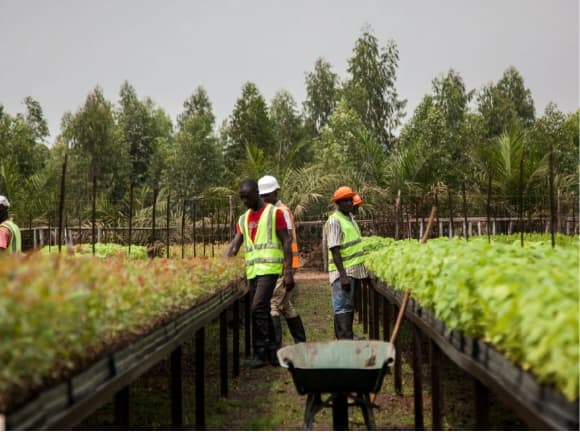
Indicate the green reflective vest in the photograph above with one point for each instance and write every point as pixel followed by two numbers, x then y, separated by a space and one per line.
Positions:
pixel 15 244
pixel 351 250
pixel 264 255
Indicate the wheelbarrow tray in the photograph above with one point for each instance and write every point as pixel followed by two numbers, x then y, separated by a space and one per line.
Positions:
pixel 342 366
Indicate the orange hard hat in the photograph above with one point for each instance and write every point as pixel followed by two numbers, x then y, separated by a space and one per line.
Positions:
pixel 357 200
pixel 343 192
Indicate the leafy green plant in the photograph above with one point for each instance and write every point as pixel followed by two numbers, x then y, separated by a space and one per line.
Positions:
pixel 59 312
pixel 522 300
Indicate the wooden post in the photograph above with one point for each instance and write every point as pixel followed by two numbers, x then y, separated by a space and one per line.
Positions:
pixel 464 210
pixel 376 312
pixel 154 214
pixel 387 317
pixel 167 223
pixel 121 411
pixel 450 213
pixel 131 192
pixel 398 362
pixel 176 390
pixel 236 340
pixel 551 188
pixel 194 229
pixel 61 202
pixel 481 405
pixel 248 324
pixel 365 308
pixel 223 354
pixel 183 230
pixel 417 379
pixel 397 214
pixel 200 379
pixel 436 402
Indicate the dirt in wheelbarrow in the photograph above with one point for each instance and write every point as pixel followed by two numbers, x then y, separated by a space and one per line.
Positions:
pixel 266 398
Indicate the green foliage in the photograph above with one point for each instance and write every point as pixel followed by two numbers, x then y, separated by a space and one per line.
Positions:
pixel 506 103
pixel 196 163
pixel 102 250
pixel 522 300
pixel 371 90
pixel 249 125
pixel 321 95
pixel 59 312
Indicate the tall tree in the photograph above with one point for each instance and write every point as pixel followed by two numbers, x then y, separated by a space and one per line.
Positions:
pixel 23 152
pixel 427 130
pixel 287 132
pixel 249 125
pixel 197 105
pixel 371 88
pixel 92 135
pixel 505 104
pixel 322 94
pixel 347 146
pixel 451 98
pixel 136 124
pixel 35 119
pixel 197 161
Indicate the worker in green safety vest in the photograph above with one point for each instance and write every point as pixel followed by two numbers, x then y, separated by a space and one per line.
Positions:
pixel 263 231
pixel 345 260
pixel 10 239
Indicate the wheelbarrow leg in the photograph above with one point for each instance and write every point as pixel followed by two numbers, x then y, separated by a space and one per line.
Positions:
pixel 339 411
pixel 366 407
pixel 313 405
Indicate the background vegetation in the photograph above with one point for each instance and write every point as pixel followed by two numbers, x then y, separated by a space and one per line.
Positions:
pixel 130 156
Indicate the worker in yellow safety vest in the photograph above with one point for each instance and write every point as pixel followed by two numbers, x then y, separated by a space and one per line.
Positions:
pixel 281 303
pixel 345 260
pixel 263 231
pixel 10 238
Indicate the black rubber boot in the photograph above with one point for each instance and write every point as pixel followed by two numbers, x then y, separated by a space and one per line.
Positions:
pixel 277 342
pixel 259 360
pixel 296 329
pixel 343 325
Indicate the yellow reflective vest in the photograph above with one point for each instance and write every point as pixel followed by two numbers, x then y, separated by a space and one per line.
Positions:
pixel 351 250
pixel 265 254
pixel 15 244
pixel 295 257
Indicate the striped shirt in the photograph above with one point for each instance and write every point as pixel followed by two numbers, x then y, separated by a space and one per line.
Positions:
pixel 331 237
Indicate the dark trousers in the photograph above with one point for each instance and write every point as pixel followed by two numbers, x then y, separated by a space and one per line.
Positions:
pixel 262 288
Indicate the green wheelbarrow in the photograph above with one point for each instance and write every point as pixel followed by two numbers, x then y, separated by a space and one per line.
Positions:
pixel 345 369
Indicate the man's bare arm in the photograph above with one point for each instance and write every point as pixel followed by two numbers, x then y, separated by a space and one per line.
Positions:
pixel 234 246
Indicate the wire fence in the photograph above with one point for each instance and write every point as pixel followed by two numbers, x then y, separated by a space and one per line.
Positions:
pixel 201 225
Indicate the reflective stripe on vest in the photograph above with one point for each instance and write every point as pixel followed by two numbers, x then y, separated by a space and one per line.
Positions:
pixel 264 255
pixel 351 250
pixel 15 244
pixel 295 258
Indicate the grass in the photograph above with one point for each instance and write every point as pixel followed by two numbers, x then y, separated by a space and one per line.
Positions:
pixel 266 399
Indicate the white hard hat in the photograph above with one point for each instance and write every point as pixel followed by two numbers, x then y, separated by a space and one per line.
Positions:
pixel 267 184
pixel 4 201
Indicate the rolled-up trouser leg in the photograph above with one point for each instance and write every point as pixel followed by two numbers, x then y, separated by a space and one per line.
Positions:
pixel 343 308
pixel 281 303
pixel 343 325
pixel 296 329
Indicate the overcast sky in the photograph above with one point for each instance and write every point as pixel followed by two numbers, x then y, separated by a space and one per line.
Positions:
pixel 57 51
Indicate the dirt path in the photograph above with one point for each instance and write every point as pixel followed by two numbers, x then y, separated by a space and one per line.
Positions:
pixel 266 399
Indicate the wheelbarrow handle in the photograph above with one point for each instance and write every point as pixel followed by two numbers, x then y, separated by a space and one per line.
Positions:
pixel 406 295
